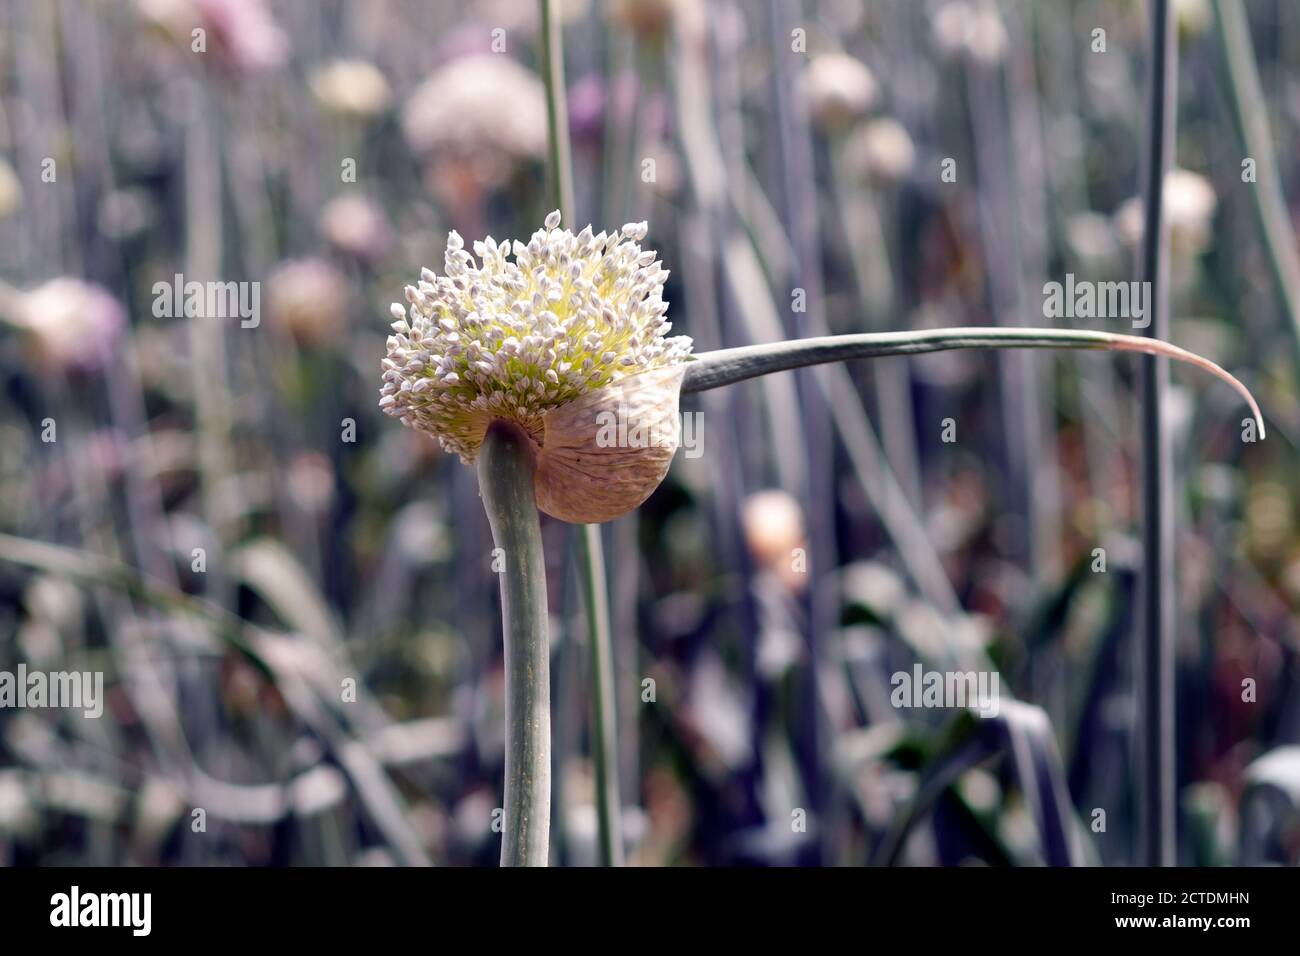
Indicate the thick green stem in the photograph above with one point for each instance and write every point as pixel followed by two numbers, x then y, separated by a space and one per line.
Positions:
pixel 604 729
pixel 505 476
pixel 725 366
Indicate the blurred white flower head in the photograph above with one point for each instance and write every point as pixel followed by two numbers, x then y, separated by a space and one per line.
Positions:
pixel 1194 17
pixel 485 109
pixel 840 90
pixel 773 525
pixel 74 326
pixel 1189 205
pixel 529 328
pixel 973 29
pixel 1091 237
pixel 1189 199
pixel 881 150
pixel 358 227
pixel 354 89
pixel 308 300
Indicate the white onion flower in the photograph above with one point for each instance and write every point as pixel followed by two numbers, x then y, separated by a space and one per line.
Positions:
pixel 544 335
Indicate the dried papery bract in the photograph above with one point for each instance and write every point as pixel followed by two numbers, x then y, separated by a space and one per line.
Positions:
pixel 605 453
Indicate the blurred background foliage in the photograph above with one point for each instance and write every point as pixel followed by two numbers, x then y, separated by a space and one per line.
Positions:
pixel 297 623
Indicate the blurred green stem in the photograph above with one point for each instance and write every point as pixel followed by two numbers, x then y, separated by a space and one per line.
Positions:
pixel 1157 816
pixel 604 729
pixel 206 340
pixel 1247 98
pixel 557 112
pixel 505 476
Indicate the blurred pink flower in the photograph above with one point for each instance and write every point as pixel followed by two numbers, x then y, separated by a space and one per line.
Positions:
pixel 358 227
pixel 587 103
pixel 241 34
pixel 245 34
pixel 308 300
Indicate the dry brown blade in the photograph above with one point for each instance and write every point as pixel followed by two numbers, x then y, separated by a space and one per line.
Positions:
pixel 1149 346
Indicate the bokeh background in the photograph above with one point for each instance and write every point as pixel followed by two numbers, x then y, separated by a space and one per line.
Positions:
pixel 290 595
